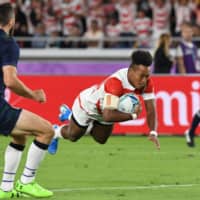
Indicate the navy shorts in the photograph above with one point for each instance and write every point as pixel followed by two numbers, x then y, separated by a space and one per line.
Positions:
pixel 8 117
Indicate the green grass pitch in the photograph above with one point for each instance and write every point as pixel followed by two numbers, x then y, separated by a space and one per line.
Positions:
pixel 126 168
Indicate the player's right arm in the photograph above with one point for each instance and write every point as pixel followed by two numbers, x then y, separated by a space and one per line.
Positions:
pixel 12 82
pixel 151 117
pixel 9 62
pixel 114 90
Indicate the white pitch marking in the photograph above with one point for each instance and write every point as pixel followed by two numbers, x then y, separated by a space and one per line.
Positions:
pixel 122 188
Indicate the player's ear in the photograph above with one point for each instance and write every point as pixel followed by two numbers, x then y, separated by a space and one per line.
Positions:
pixel 11 25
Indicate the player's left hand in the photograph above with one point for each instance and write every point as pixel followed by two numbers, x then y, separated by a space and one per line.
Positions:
pixel 155 140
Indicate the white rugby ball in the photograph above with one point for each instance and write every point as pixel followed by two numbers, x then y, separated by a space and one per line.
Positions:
pixel 127 103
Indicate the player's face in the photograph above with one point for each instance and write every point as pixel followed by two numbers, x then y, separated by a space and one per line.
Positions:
pixel 138 76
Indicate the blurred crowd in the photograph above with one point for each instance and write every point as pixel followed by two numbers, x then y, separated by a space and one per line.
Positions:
pixel 95 20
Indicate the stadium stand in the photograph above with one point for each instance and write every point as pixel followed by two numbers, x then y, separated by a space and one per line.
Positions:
pixel 101 23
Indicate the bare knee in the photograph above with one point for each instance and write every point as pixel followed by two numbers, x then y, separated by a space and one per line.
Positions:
pixel 73 138
pixel 101 132
pixel 47 132
pixel 70 134
pixel 101 140
pixel 51 132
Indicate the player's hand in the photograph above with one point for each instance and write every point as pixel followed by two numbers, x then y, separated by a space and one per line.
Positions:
pixel 155 140
pixel 39 96
pixel 138 109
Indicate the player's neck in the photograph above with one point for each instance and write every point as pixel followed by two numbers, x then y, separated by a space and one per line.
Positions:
pixel 5 29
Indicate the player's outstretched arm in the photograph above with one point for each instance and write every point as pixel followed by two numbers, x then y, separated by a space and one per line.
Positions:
pixel 152 121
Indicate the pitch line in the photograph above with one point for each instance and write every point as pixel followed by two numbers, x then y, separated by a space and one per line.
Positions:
pixel 122 188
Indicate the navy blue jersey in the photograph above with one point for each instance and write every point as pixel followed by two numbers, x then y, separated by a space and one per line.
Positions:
pixel 9 55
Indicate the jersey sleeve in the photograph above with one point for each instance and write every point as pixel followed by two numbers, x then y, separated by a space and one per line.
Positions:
pixel 11 54
pixel 113 86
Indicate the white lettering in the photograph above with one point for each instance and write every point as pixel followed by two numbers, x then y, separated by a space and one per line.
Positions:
pixel 195 96
pixel 168 112
pixel 174 106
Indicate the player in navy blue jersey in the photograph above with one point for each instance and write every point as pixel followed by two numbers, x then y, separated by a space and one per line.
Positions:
pixel 190 133
pixel 17 122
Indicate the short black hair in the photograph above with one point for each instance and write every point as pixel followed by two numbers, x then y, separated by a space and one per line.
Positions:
pixel 6 13
pixel 140 57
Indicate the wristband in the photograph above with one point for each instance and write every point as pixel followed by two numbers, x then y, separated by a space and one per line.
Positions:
pixel 153 133
pixel 134 116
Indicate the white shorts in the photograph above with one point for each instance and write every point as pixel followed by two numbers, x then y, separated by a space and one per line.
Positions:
pixel 83 118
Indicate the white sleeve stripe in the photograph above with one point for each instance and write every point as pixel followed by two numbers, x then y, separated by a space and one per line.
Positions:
pixel 147 96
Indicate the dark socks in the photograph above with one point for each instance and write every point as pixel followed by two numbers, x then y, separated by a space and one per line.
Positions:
pixel 195 122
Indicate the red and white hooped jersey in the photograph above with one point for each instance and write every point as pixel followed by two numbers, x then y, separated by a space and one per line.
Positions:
pixel 143 26
pixel 183 13
pixel 127 15
pixel 112 30
pixel 69 12
pixel 161 15
pixel 91 99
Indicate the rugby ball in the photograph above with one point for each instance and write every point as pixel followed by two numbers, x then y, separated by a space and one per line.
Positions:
pixel 127 103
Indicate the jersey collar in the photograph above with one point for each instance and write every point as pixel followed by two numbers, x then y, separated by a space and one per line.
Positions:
pixel 2 32
pixel 128 84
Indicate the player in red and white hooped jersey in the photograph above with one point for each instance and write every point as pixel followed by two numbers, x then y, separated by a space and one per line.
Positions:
pixel 92 99
pixel 99 104
pixel 112 30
